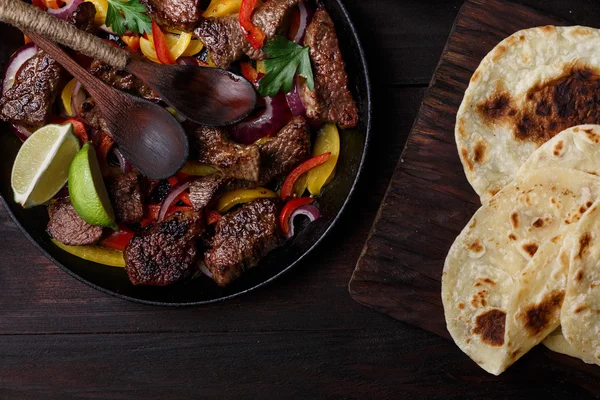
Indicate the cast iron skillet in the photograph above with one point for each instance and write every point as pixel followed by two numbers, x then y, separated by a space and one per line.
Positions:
pixel 354 144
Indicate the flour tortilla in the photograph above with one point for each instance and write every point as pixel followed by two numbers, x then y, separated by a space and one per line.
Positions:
pixel 577 148
pixel 505 275
pixel 580 315
pixel 512 105
pixel 557 343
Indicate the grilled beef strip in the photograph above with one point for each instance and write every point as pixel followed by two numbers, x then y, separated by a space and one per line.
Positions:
pixel 224 38
pixel 330 101
pixel 234 160
pixel 206 189
pixel 67 227
pixel 242 238
pixel 126 196
pixel 166 252
pixel 91 114
pixel 289 148
pixel 178 14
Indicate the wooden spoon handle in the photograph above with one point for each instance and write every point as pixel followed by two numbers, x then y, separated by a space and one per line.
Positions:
pixel 31 19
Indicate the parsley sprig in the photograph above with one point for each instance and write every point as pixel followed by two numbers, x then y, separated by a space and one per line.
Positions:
pixel 284 59
pixel 122 15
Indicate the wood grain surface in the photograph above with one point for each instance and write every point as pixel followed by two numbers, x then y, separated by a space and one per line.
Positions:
pixel 302 337
pixel 429 200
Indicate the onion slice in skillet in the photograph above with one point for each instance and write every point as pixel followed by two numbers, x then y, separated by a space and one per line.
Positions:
pixel 307 210
pixel 15 63
pixel 65 11
pixel 176 191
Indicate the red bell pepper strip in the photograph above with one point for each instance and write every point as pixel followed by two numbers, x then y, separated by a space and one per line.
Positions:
pixel 251 32
pixel 41 4
pixel 294 24
pixel 287 190
pixel 212 216
pixel 182 176
pixel 118 240
pixel 55 4
pixel 160 44
pixel 133 42
pixel 288 210
pixel 249 72
pixel 79 129
pixel 184 197
pixel 152 211
pixel 173 181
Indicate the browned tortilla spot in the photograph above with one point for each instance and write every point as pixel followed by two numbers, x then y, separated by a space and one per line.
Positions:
pixel 584 243
pixel 580 309
pixel 512 236
pixel 582 210
pixel 579 275
pixel 514 220
pixel 494 191
pixel 479 297
pixel 475 76
pixel 515 354
pixel 476 246
pixel 530 248
pixel 495 108
pixel 461 306
pixel 548 28
pixel 490 326
pixel 558 147
pixel 461 127
pixel 582 31
pixel 480 152
pixel 537 318
pixel 538 223
pixel 500 50
pixel 465 156
pixel 589 204
pixel 564 260
pixel 592 136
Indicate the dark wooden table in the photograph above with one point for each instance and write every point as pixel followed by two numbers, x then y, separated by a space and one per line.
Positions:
pixel 301 337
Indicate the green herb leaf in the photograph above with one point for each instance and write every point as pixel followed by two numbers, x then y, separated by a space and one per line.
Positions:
pixel 122 15
pixel 285 58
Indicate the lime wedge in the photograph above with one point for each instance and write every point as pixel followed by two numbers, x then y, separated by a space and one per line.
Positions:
pixel 42 165
pixel 87 189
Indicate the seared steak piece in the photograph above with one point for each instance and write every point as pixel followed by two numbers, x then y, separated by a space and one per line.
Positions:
pixel 232 159
pixel 165 253
pixel 224 38
pixel 242 238
pixel 126 197
pixel 92 116
pixel 331 101
pixel 29 101
pixel 205 189
pixel 178 14
pixel 83 17
pixel 122 80
pixel 286 151
pixel 67 227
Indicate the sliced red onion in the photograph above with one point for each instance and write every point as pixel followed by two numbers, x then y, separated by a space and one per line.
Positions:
pixel 21 132
pixel 176 191
pixel 107 29
pixel 78 97
pixel 306 15
pixel 294 100
pixel 267 123
pixel 15 63
pixel 308 210
pixel 65 11
pixel 126 166
pixel 204 269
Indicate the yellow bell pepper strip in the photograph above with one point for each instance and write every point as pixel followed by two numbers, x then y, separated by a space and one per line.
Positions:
pixel 288 210
pixel 251 32
pixel 160 44
pixel 178 44
pixel 148 50
pixel 195 168
pixel 67 96
pixel 101 11
pixel 287 190
pixel 240 196
pixel 194 47
pixel 328 141
pixel 222 8
pixel 97 254
pixel 300 186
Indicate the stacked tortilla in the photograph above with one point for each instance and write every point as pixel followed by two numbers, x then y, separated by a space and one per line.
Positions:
pixel 529 259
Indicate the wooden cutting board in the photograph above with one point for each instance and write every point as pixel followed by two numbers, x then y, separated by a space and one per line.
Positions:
pixel 429 200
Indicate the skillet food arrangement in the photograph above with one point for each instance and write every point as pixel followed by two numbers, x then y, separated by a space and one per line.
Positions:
pixel 245 189
pixel 526 268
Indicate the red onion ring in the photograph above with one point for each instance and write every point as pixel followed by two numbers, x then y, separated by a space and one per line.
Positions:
pixel 306 14
pixel 78 97
pixel 15 63
pixel 65 11
pixel 267 123
pixel 204 269
pixel 21 132
pixel 294 100
pixel 126 166
pixel 308 210
pixel 176 191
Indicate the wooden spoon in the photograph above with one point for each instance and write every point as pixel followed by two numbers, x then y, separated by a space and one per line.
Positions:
pixel 147 134
pixel 208 96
